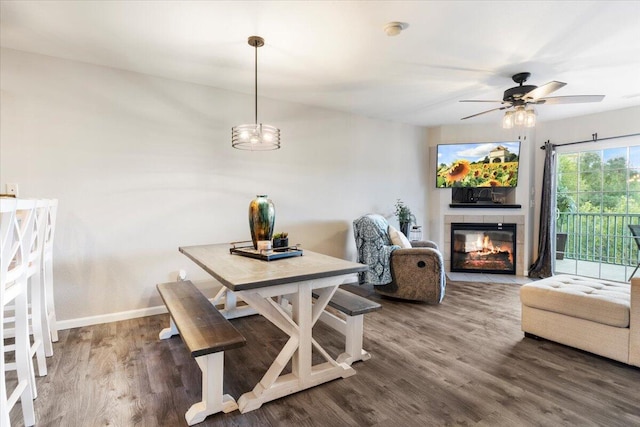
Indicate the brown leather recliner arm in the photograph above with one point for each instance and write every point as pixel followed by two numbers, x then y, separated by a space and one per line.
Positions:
pixel 418 274
pixel 424 244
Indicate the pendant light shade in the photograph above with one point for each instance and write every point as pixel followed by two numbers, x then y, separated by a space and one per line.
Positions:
pixel 519 116
pixel 507 120
pixel 257 136
pixel 530 118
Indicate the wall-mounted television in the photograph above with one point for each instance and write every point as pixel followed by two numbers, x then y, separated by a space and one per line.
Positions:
pixel 478 165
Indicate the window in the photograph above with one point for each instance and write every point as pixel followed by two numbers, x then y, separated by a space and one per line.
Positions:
pixel 598 196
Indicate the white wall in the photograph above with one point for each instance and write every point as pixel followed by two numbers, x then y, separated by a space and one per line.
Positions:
pixel 142 165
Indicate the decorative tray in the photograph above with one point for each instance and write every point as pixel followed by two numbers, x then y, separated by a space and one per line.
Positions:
pixel 265 255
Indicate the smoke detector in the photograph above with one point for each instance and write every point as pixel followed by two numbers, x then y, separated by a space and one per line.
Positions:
pixel 394 28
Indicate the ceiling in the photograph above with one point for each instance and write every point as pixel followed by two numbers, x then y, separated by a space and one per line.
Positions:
pixel 335 54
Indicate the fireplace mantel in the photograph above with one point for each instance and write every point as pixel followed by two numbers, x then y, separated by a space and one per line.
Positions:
pixel 484 206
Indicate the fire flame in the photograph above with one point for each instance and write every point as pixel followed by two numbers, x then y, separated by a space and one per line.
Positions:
pixel 485 247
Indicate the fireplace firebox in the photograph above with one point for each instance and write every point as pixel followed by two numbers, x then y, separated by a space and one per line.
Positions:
pixel 483 248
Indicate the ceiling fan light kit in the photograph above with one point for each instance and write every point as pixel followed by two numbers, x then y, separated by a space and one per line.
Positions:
pixel 256 136
pixel 521 117
pixel 522 96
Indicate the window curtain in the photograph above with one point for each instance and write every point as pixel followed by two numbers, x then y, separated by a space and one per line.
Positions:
pixel 545 264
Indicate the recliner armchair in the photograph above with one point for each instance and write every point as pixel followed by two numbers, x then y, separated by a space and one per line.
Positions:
pixel 413 271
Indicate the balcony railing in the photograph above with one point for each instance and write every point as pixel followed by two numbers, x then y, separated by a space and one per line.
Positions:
pixel 599 237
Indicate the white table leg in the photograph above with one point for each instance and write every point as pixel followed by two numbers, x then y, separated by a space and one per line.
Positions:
pixel 230 301
pixel 301 312
pixel 299 326
pixel 231 309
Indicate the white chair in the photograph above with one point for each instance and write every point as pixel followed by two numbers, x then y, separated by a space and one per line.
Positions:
pixel 14 235
pixel 47 273
pixel 35 290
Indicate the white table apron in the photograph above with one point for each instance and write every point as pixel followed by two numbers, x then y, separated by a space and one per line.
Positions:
pixel 299 326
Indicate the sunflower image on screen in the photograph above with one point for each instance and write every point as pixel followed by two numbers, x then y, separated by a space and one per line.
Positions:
pixel 491 164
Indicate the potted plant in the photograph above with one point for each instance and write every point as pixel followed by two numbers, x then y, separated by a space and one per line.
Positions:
pixel 280 240
pixel 404 216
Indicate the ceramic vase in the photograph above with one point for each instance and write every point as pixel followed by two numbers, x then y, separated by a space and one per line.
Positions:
pixel 262 217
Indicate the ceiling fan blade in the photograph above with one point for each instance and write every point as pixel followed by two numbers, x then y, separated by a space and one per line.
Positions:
pixel 576 99
pixel 482 100
pixel 544 90
pixel 485 112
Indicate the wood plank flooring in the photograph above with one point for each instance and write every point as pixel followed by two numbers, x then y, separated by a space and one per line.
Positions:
pixel 464 362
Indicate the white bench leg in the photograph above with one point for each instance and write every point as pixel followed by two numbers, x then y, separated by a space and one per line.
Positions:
pixel 353 330
pixel 213 399
pixel 354 337
pixel 170 331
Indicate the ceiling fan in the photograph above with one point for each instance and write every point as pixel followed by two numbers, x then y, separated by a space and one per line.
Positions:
pixel 519 97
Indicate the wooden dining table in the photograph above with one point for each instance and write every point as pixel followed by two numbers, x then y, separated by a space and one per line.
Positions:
pixel 260 284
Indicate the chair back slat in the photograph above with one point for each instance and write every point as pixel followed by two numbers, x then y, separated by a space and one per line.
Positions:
pixel 50 226
pixel 15 256
pixel 7 236
pixel 37 240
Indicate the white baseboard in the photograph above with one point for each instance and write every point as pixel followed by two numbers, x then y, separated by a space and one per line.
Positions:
pixel 111 317
pixel 122 315
pixel 131 314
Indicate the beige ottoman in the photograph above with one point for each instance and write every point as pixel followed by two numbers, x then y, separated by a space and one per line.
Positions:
pixel 595 315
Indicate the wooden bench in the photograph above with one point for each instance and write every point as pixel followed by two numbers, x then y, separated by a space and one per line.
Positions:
pixel 353 307
pixel 207 334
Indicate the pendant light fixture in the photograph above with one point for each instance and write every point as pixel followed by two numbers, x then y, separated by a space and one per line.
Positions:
pixel 257 136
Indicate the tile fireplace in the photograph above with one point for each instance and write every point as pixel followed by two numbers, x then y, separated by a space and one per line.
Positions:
pixel 483 248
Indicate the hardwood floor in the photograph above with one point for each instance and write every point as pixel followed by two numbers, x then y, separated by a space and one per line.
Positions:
pixel 464 362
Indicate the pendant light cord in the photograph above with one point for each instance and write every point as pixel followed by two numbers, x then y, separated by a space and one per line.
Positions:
pixel 256 81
